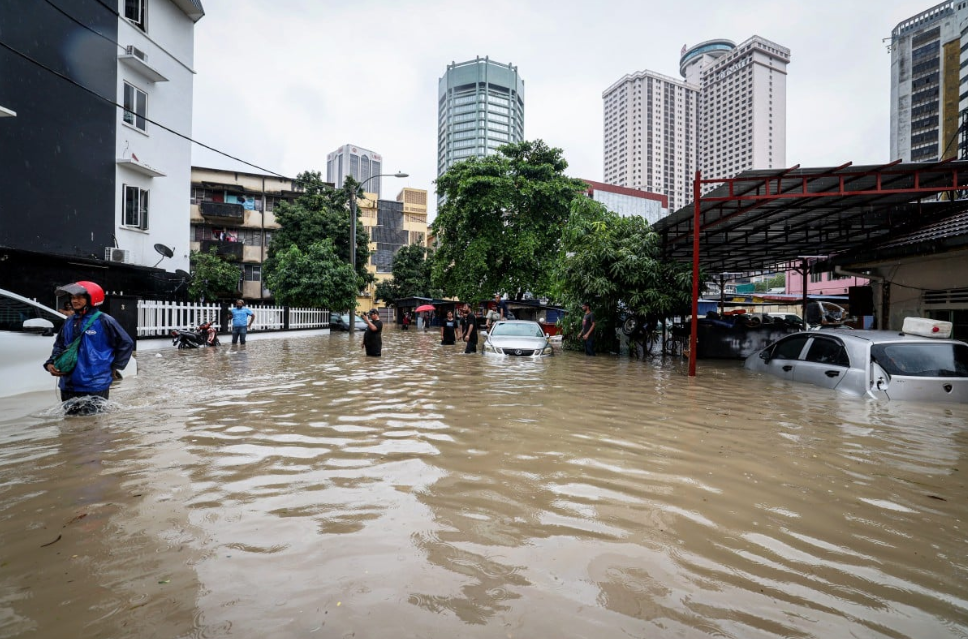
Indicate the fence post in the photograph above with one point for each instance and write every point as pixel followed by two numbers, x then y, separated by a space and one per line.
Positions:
pixel 226 317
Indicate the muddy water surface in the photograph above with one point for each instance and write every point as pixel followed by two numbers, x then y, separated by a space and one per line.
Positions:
pixel 294 488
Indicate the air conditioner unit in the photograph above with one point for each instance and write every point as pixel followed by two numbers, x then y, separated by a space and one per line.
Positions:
pixel 136 52
pixel 112 254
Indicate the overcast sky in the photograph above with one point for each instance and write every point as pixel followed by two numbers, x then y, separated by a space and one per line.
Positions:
pixel 280 84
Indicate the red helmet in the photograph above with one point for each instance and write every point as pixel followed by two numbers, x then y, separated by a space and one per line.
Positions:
pixel 95 294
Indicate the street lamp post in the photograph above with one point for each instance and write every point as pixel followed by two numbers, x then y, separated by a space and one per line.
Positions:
pixel 398 174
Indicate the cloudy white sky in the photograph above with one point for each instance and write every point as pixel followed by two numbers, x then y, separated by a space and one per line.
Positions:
pixel 280 84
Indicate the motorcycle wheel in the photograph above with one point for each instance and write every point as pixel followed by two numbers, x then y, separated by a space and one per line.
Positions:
pixel 631 326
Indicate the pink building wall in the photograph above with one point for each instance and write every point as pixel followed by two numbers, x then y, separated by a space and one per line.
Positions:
pixel 829 284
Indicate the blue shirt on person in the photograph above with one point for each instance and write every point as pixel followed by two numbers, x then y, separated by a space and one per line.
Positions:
pixel 240 316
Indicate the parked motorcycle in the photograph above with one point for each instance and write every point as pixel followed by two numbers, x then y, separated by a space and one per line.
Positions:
pixel 203 336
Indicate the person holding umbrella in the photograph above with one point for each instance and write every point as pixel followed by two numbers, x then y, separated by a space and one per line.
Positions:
pixel 425 309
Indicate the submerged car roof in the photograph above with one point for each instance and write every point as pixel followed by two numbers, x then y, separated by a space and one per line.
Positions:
pixel 878 337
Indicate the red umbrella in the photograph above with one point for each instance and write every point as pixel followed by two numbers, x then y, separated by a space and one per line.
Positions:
pixel 423 308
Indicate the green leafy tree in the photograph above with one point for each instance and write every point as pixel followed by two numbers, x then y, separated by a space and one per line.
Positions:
pixel 614 264
pixel 499 226
pixel 212 277
pixel 316 276
pixel 411 276
pixel 777 281
pixel 320 212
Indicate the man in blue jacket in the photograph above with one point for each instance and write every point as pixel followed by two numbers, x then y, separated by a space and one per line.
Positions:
pixel 104 348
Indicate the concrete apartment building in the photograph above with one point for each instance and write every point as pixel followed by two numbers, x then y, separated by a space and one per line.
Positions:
pixel 362 164
pixel 727 115
pixel 391 225
pixel 650 135
pixel 480 108
pixel 742 105
pixel 96 187
pixel 929 85
pixel 232 212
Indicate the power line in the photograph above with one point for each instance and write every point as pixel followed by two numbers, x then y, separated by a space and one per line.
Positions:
pixel 81 24
pixel 157 124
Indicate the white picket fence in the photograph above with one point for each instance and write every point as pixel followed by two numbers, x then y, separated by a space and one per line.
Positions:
pixel 157 318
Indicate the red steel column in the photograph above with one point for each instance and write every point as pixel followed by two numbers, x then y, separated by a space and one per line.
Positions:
pixel 695 277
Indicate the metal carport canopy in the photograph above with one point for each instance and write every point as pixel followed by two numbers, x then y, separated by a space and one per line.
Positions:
pixel 770 219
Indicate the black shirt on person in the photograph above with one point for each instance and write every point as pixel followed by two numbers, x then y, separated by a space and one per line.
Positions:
pixel 449 335
pixel 373 340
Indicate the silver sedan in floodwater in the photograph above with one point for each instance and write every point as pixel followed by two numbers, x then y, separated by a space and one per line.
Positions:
pixel 878 364
pixel 517 338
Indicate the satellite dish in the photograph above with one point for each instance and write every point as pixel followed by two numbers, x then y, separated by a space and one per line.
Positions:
pixel 163 251
pixel 185 277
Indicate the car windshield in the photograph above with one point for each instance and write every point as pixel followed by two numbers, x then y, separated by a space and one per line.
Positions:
pixel 517 330
pixel 13 314
pixel 920 359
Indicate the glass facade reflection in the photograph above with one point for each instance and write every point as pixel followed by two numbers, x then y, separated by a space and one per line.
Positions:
pixel 481 107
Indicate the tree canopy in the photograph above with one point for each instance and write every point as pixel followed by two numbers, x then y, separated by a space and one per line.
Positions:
pixel 319 213
pixel 499 225
pixel 411 276
pixel 316 276
pixel 212 276
pixel 612 262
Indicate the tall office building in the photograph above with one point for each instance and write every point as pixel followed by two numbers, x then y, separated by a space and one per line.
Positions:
pixel 742 105
pixel 361 163
pixel 481 107
pixel 729 115
pixel 925 69
pixel 650 135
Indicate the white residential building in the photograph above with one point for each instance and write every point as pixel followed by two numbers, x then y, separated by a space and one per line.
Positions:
pixel 650 135
pixel 155 77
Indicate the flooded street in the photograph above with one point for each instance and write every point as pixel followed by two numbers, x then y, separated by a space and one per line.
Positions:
pixel 295 488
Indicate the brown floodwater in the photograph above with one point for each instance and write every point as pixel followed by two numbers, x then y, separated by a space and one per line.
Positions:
pixel 295 488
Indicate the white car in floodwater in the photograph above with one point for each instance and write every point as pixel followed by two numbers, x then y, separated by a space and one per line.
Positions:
pixel 27 333
pixel 517 338
pixel 918 363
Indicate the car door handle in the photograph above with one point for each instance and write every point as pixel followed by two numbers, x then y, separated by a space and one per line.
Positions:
pixel 831 373
pixel 787 368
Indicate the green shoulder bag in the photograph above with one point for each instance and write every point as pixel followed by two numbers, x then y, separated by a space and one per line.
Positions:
pixel 66 361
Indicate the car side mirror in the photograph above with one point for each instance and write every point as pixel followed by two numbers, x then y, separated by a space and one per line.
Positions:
pixel 39 325
pixel 765 356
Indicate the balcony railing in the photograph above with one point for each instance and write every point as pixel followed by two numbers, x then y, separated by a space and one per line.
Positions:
pixel 229 251
pixel 222 211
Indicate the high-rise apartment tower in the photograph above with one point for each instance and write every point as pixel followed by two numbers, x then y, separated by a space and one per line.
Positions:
pixel 481 107
pixel 356 161
pixel 650 135
pixel 925 67
pixel 729 115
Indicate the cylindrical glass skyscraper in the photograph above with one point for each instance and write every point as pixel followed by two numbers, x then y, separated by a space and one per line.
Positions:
pixel 481 107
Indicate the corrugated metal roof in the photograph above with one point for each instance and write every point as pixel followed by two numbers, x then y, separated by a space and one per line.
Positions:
pixel 770 219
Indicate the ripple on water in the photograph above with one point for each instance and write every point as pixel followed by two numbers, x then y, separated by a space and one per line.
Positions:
pixel 472 496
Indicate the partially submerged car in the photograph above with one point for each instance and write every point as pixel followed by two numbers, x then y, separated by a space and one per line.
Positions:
pixel 341 322
pixel 920 362
pixel 27 332
pixel 517 338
